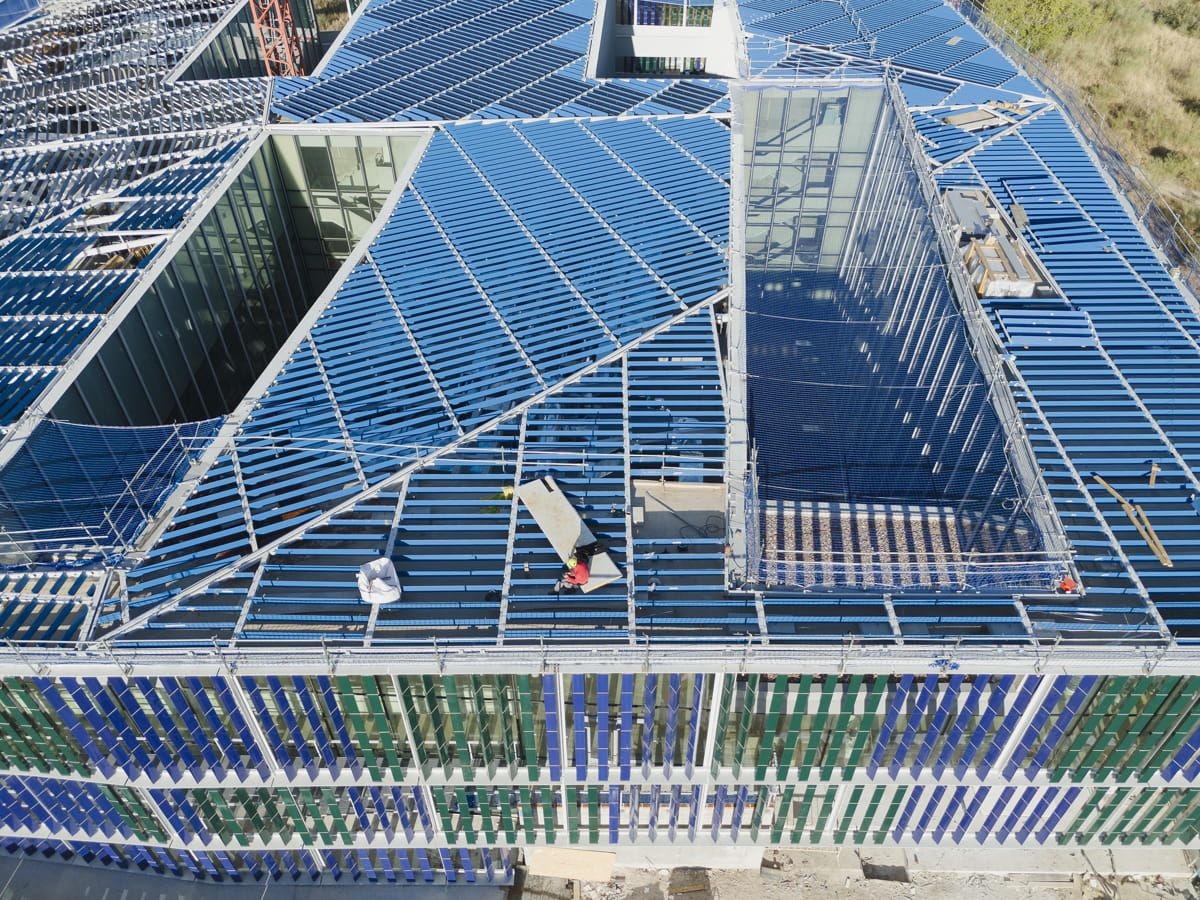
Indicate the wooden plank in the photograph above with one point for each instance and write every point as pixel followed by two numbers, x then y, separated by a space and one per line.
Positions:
pixel 578 865
pixel 565 529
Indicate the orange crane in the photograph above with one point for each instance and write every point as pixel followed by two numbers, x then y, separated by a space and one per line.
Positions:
pixel 277 37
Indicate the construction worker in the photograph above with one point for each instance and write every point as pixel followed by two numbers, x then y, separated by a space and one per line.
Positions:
pixel 505 493
pixel 577 572
pixel 578 568
pixel 1067 584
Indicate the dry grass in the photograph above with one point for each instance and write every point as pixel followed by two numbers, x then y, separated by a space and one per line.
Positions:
pixel 1138 61
pixel 331 14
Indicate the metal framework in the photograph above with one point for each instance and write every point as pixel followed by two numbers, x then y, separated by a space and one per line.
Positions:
pixel 559 292
pixel 277 38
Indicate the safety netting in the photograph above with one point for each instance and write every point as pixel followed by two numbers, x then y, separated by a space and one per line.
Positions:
pixel 76 495
pixel 879 459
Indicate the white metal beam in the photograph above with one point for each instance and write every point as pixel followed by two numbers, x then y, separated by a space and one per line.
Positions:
pixel 394 479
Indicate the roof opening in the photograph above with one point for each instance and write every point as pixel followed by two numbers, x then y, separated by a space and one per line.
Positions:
pixel 909 480
pixel 654 39
pixel 237 282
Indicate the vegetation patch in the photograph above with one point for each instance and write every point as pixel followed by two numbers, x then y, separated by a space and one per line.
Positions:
pixel 1182 15
pixel 1138 62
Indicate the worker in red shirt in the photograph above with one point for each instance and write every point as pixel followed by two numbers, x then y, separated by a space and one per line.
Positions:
pixel 577 571
pixel 578 568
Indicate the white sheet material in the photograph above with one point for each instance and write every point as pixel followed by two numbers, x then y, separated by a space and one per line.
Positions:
pixel 565 528
pixel 378 582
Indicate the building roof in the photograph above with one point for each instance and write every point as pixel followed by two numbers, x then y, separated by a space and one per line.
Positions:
pixel 544 297
pixel 446 61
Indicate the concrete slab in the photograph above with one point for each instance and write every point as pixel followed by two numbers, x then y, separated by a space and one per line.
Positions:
pixel 1031 861
pixel 677 510
pixel 689 855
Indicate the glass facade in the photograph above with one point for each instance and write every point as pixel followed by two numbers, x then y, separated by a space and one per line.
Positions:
pixel 667 66
pixel 205 328
pixel 335 187
pixel 689 13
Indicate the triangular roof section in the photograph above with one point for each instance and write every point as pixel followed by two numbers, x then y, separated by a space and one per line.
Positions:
pixel 446 516
pixel 483 293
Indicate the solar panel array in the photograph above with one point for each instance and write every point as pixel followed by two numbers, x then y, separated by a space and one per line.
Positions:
pixel 431 60
pixel 99 69
pixel 1119 401
pixel 500 213
pixel 519 257
pixel 935 53
pixel 85 107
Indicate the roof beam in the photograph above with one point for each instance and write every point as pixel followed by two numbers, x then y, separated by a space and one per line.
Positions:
pixel 506 584
pixel 630 588
pixel 398 477
pixel 389 548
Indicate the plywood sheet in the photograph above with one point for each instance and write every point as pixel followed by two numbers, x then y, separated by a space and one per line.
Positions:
pixel 564 528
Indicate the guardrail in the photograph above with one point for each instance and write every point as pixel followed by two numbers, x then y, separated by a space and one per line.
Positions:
pixel 900 571
pixel 968 572
pixel 982 338
pixel 1113 653
pixel 754 540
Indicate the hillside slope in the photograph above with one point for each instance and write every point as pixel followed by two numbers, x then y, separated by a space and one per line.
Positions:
pixel 1138 62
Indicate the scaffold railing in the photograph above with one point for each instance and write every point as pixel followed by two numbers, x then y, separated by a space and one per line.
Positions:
pixel 1018 450
pixel 1169 235
pixel 865 653
pixel 78 495
pixel 753 527
pixel 86 70
pixel 973 572
pixel 842 59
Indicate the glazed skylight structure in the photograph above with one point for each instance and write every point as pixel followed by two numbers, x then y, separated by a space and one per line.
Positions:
pixel 904 559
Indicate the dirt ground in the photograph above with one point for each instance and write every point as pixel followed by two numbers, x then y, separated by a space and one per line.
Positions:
pixel 796 875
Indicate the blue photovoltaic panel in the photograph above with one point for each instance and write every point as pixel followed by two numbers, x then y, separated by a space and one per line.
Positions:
pixel 454 60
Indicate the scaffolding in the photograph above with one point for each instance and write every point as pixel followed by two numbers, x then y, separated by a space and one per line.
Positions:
pixel 87 106
pixel 277 38
pixel 77 495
